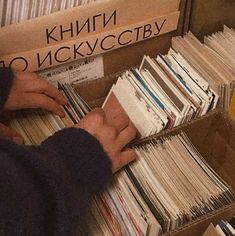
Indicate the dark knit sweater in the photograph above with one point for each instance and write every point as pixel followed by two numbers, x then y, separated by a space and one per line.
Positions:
pixel 45 190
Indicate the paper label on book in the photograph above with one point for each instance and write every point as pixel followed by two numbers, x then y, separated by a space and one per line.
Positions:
pixel 75 72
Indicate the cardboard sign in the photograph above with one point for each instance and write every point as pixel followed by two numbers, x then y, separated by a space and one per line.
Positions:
pixel 84 31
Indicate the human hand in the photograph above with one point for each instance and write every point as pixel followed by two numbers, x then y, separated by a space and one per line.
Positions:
pixel 29 91
pixel 114 136
pixel 10 134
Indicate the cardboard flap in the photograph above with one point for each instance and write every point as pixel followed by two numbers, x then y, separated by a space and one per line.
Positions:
pixel 89 19
pixel 84 31
pixel 90 45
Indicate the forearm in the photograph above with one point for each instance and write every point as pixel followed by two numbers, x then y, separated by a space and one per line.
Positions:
pixel 64 174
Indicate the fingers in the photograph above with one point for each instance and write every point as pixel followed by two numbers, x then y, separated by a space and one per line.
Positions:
pixel 25 75
pixel 125 158
pixel 40 86
pixel 34 100
pixel 126 136
pixel 120 121
pixel 10 134
pixel 93 122
pixel 114 134
pixel 29 91
pixel 112 107
pixel 98 111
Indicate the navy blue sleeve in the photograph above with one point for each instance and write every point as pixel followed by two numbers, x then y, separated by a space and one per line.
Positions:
pixel 6 79
pixel 46 189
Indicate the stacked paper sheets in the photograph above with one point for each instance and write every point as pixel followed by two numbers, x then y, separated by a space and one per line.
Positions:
pixel 168 186
pixel 14 11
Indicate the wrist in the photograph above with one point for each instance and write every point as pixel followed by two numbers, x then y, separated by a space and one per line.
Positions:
pixel 84 155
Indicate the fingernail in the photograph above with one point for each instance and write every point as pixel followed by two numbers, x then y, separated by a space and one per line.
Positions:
pixel 18 140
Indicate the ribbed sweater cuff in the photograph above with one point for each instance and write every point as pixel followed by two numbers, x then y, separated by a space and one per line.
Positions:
pixel 6 79
pixel 84 155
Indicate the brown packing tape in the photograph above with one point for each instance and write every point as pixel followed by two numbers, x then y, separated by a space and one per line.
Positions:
pixel 13 38
pixel 95 44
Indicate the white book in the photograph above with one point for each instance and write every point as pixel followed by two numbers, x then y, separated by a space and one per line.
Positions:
pixel 231 229
pixel 136 109
pixel 40 10
pixel 147 97
pixel 62 5
pixel 2 13
pixel 55 5
pixel 178 80
pixel 219 230
pixel 69 4
pixel 163 96
pixel 16 11
pixel 8 15
pixel 163 80
pixel 151 122
pixel 33 12
pixel 48 7
pixel 199 92
pixel 190 70
pixel 24 12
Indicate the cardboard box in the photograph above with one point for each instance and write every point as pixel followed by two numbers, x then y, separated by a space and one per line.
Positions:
pixel 213 135
pixel 208 17
pixel 85 31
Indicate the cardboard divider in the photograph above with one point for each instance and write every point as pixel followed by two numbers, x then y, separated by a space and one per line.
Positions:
pixel 206 134
pixel 213 135
pixel 208 17
pixel 98 89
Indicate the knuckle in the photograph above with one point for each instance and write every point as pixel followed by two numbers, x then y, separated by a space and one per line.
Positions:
pixel 97 117
pixel 45 84
pixel 111 131
pixel 132 132
pixel 34 75
pixel 124 116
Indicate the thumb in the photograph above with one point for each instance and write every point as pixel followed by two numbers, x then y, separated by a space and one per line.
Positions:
pixel 10 134
pixel 125 158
